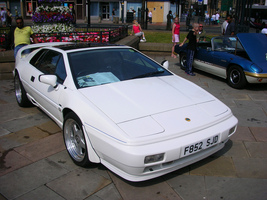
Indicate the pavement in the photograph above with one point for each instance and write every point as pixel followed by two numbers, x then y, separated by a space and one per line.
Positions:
pixel 34 163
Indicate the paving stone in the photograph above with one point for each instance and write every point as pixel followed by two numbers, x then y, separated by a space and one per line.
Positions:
pixel 109 192
pixel 214 166
pixel 257 149
pixel 26 122
pixel 50 127
pixel 28 178
pixel 63 159
pixel 251 167
pixel 258 97
pixel 252 117
pixel 41 193
pixel 42 148
pixel 10 112
pixel 260 133
pixel 233 149
pixel 243 133
pixel 189 187
pixel 155 189
pixel 11 160
pixel 235 188
pixel 246 104
pixel 236 96
pixel 78 184
pixel 3 131
pixel 21 137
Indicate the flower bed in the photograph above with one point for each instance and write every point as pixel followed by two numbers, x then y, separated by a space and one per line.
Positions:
pixel 92 37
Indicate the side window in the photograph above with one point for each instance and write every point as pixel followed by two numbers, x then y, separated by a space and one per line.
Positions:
pixel 60 70
pixel 35 61
pixel 49 62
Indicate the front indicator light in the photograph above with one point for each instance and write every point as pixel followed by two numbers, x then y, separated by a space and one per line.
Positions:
pixel 231 131
pixel 154 158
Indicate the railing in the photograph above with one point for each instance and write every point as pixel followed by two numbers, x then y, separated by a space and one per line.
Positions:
pixel 84 33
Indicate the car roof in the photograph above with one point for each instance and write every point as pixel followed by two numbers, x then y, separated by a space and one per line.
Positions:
pixel 76 46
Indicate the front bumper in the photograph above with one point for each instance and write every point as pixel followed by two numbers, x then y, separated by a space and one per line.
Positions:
pixel 128 161
pixel 256 78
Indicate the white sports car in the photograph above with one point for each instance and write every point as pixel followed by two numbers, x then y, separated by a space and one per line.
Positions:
pixel 120 108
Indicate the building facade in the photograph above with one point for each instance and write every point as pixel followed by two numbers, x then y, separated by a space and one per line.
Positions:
pixel 103 8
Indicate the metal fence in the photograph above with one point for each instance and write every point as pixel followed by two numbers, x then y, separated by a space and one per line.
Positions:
pixel 83 33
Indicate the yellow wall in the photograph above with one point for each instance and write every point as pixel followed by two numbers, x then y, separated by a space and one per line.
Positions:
pixel 157 9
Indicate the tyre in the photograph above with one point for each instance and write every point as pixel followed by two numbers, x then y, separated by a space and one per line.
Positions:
pixel 183 61
pixel 74 140
pixel 20 93
pixel 236 77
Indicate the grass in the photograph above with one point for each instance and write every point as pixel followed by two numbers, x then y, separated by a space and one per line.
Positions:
pixel 165 36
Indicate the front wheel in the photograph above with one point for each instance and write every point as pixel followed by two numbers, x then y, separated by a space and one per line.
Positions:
pixel 183 61
pixel 75 140
pixel 236 77
pixel 20 93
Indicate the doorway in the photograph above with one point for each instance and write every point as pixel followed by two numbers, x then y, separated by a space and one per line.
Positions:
pixel 104 10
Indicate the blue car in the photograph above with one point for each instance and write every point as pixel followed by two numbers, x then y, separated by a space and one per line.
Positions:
pixel 240 59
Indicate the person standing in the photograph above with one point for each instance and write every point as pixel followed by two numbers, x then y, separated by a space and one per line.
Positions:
pixel 150 17
pixel 217 18
pixel 169 21
pixel 137 30
pixel 113 15
pixel 22 35
pixel 191 48
pixel 230 28
pixel 3 17
pixel 201 36
pixel 207 18
pixel 8 18
pixel 175 34
pixel 223 27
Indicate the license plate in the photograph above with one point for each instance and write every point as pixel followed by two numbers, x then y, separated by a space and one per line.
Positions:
pixel 199 146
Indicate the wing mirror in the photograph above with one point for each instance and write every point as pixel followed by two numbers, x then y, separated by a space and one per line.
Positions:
pixel 49 80
pixel 165 64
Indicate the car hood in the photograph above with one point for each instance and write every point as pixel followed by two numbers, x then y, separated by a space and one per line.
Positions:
pixel 255 46
pixel 139 106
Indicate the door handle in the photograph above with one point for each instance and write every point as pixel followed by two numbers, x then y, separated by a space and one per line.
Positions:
pixel 32 79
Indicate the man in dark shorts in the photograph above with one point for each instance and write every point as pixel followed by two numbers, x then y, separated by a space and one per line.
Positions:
pixel 191 48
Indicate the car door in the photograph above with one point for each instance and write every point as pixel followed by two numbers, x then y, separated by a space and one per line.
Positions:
pixel 46 96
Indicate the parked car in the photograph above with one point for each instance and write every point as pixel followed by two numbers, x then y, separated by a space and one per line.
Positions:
pixel 120 108
pixel 240 60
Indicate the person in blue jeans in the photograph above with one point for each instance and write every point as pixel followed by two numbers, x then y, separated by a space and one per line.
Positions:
pixel 191 48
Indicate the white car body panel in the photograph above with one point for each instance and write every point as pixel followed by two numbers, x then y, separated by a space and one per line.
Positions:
pixel 126 121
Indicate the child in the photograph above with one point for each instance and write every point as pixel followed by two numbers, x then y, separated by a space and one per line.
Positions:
pixel 138 31
pixel 175 34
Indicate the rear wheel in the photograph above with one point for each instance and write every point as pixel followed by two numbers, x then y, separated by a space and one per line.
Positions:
pixel 20 93
pixel 75 140
pixel 183 61
pixel 236 77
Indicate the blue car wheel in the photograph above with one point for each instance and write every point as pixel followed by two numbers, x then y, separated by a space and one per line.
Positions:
pixel 236 77
pixel 183 61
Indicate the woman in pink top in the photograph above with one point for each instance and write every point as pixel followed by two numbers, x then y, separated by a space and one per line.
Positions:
pixel 175 34
pixel 137 30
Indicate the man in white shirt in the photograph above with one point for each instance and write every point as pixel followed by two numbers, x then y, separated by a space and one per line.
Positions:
pixel 3 17
pixel 150 16
pixel 224 26
pixel 217 17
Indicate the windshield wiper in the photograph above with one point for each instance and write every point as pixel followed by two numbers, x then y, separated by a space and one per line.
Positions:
pixel 148 74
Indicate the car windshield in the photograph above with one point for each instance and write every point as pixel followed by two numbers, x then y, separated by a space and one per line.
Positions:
pixel 226 44
pixel 108 65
